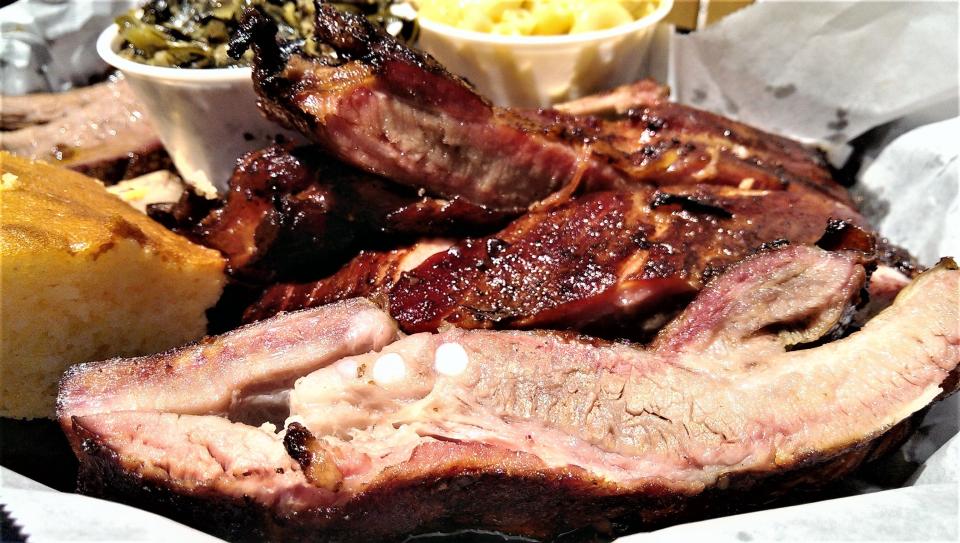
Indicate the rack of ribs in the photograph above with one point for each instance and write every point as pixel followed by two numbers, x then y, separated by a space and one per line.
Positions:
pixel 611 263
pixel 614 258
pixel 395 112
pixel 785 343
pixel 528 433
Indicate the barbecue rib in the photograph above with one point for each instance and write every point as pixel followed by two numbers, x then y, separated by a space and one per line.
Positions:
pixel 297 213
pixel 614 263
pixel 398 113
pixel 527 433
pixel 100 131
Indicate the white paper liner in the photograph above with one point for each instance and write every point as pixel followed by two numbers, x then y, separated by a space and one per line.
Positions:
pixel 45 515
pixel 822 72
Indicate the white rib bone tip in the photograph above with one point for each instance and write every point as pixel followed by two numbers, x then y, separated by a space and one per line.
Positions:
pixel 389 368
pixel 450 359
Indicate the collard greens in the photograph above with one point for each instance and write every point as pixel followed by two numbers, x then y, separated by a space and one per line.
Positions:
pixel 196 33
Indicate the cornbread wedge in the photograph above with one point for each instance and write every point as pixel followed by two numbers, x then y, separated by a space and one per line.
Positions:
pixel 83 276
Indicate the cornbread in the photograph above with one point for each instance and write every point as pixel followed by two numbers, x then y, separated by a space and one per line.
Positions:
pixel 84 276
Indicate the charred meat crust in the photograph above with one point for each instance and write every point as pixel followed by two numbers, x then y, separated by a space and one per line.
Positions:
pixel 898 258
pixel 354 39
pixel 318 469
pixel 127 165
pixel 692 204
pixel 844 235
pixel 745 151
pixel 102 474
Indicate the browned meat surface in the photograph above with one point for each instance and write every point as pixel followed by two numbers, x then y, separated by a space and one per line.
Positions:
pixel 99 130
pixel 615 263
pixel 529 433
pixel 398 113
pixel 371 274
pixel 298 213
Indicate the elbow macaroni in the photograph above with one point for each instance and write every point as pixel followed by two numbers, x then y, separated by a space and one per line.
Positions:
pixel 535 17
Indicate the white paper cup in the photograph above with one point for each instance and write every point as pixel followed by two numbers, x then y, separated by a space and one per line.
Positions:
pixel 537 71
pixel 206 118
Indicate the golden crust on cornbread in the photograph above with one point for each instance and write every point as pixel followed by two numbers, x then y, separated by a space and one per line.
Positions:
pixel 83 277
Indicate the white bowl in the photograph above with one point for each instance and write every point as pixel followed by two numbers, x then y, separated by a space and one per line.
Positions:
pixel 206 118
pixel 537 71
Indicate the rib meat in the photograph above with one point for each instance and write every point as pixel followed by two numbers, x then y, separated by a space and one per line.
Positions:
pixel 296 213
pixel 613 263
pixel 99 130
pixel 529 433
pixel 397 113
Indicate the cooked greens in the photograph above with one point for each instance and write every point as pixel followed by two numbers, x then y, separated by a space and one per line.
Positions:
pixel 196 33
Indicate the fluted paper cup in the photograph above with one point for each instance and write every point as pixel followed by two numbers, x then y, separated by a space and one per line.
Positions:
pixel 537 71
pixel 206 118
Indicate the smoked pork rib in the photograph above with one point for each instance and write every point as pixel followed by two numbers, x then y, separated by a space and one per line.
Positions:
pixel 613 263
pixel 397 113
pixel 296 213
pixel 100 131
pixel 534 433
